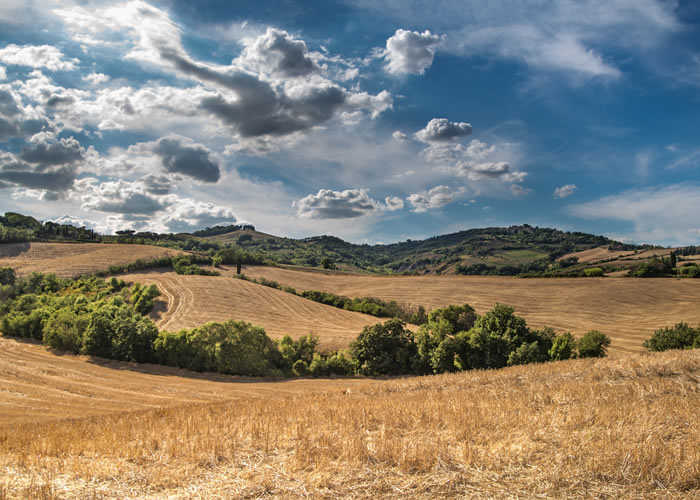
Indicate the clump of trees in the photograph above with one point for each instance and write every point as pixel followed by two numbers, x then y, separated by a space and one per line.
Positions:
pixel 679 336
pixel 455 338
pixel 183 264
pixel 16 227
pixel 88 315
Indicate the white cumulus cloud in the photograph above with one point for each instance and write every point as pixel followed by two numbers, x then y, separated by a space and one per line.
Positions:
pixel 436 197
pixel 411 52
pixel 37 56
pixel 330 204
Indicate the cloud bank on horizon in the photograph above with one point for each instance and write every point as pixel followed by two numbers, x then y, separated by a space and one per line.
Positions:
pixel 379 123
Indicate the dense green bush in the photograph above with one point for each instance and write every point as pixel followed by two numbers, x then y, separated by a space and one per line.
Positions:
pixel 183 264
pixel 81 316
pixel 384 349
pixel 7 276
pixel 116 331
pixel 300 368
pixel 689 271
pixel 680 336
pixel 593 345
pixel 593 272
pixel 232 347
pixel 142 297
pixel 563 347
pixel 455 338
pixel 292 351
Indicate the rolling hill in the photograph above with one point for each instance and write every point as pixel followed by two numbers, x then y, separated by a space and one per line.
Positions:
pixel 190 301
pixel 501 251
pixel 605 428
pixel 74 259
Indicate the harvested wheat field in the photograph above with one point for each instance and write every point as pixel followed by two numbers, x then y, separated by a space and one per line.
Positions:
pixel 73 259
pixel 627 310
pixel 37 385
pixel 595 428
pixel 191 301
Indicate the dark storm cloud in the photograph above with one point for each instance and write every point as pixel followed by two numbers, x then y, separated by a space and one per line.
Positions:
pixel 66 151
pixel 56 101
pixel 157 184
pixel 13 122
pixel 132 203
pixel 8 105
pixel 192 161
pixel 57 180
pixel 283 116
pixel 259 110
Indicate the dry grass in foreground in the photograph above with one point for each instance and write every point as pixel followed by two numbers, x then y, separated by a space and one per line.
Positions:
pixel 588 428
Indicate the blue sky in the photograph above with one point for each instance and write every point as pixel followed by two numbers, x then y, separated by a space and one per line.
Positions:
pixel 375 121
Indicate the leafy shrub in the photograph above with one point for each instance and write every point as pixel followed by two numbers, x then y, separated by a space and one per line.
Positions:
pixel 232 347
pixel 338 364
pixel 7 276
pixel 300 368
pixel 319 366
pixel 690 271
pixel 182 264
pixel 593 345
pixel 142 298
pixel 384 349
pixel 64 330
pixel 593 272
pixel 526 353
pixel 292 351
pixel 563 347
pixel 680 336
pixel 118 332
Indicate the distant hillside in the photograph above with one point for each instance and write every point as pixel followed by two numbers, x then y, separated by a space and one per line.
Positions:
pixel 513 251
pixel 499 251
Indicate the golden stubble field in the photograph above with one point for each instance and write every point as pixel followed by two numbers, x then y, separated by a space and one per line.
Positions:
pixel 73 259
pixel 606 428
pixel 190 301
pixel 628 310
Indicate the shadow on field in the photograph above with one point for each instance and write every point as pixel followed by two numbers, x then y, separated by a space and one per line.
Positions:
pixel 13 249
pixel 171 371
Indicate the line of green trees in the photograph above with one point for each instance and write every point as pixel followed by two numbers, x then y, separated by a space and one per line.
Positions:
pixel 16 228
pixel 106 318
pixel 455 338
pixel 679 336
